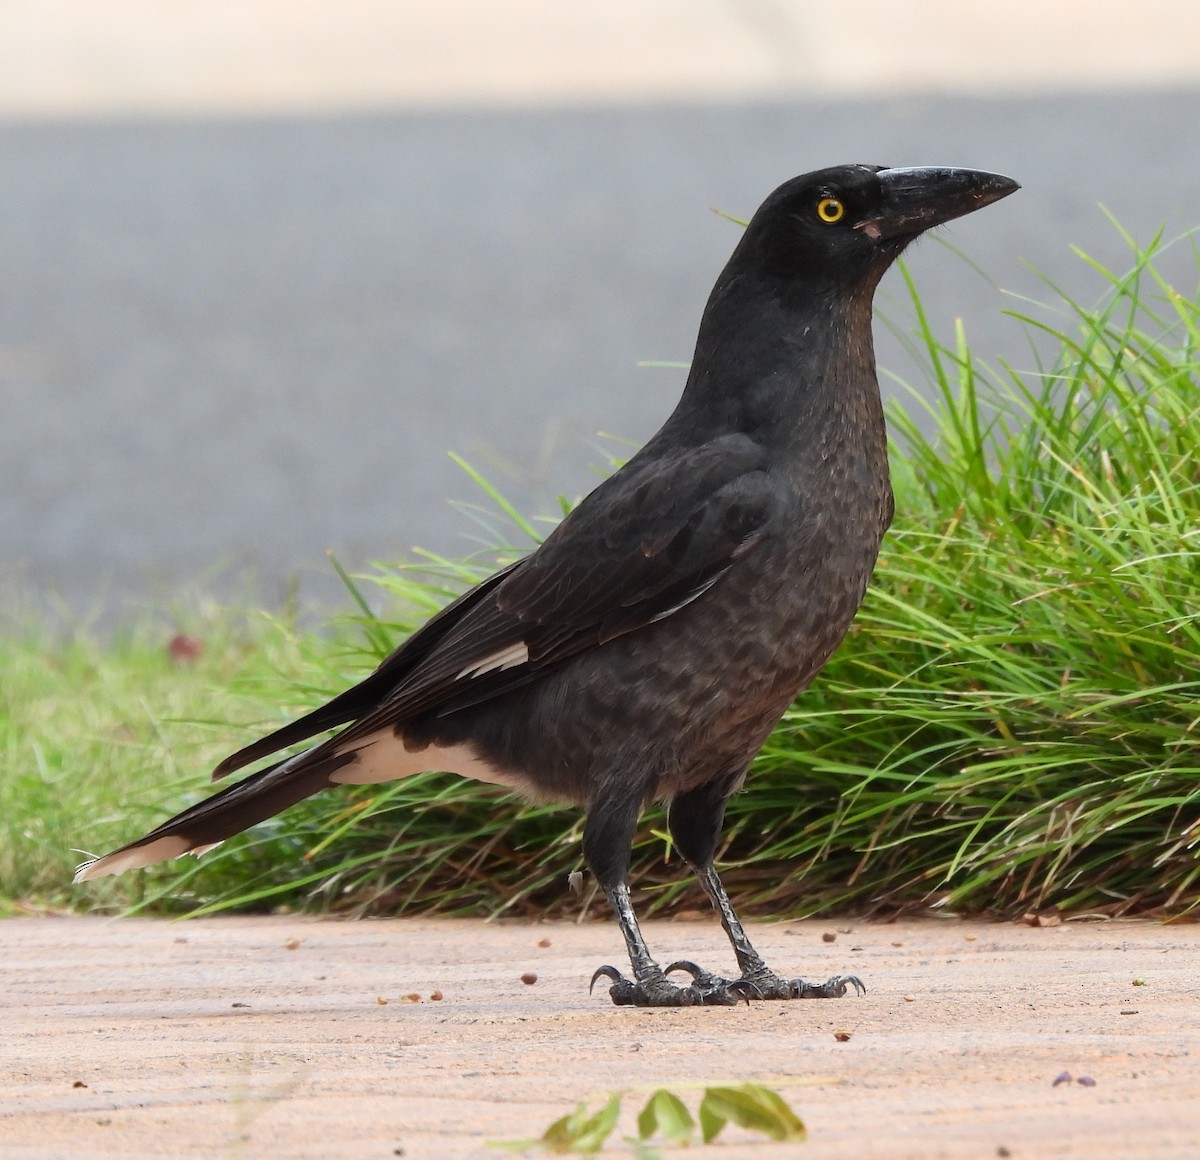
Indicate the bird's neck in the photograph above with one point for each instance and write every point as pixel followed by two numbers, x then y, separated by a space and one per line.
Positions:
pixel 794 372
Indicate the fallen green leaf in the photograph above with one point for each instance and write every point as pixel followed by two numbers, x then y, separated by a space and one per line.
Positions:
pixel 588 1136
pixel 665 1112
pixel 749 1106
pixel 711 1121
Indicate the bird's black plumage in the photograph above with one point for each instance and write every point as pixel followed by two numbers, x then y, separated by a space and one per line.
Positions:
pixel 649 645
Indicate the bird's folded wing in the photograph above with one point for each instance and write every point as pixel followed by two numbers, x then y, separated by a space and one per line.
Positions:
pixel 632 554
pixel 640 547
pixel 358 699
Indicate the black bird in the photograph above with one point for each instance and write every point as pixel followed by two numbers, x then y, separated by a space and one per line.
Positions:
pixel 646 649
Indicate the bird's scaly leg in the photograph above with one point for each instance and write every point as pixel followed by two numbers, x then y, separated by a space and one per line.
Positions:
pixel 754 970
pixel 695 822
pixel 650 986
pixel 607 835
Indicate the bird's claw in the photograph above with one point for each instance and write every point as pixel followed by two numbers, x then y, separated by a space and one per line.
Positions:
pixel 698 973
pixel 708 983
pixel 832 988
pixel 658 991
pixel 709 990
pixel 606 973
pixel 767 985
pixel 773 987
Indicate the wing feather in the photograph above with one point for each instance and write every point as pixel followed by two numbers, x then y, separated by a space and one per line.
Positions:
pixel 646 543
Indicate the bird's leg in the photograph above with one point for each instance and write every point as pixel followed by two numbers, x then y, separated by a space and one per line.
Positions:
pixel 607 835
pixel 754 970
pixel 695 823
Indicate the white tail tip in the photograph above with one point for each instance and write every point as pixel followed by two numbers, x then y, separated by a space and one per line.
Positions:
pixel 133 857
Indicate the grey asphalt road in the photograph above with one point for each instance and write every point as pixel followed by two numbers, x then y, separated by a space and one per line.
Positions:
pixel 231 345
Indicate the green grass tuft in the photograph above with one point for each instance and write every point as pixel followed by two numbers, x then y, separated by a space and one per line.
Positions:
pixel 101 735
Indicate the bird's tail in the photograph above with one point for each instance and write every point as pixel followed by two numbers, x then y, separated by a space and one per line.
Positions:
pixel 234 809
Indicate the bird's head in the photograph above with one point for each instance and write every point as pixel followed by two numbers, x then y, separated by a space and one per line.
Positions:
pixel 846 225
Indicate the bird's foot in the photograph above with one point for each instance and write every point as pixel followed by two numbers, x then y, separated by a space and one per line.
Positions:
pixel 771 986
pixel 657 990
pixel 766 984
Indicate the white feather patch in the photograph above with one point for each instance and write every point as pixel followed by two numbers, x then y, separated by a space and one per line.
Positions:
pixel 383 757
pixel 686 600
pixel 506 658
pixel 157 851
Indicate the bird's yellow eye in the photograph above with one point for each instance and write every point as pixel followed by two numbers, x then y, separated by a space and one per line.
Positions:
pixel 830 210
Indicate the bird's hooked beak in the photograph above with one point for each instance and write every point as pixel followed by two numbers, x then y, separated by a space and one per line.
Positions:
pixel 915 200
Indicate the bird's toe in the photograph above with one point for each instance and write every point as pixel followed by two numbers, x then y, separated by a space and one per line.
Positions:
pixel 623 991
pixel 832 988
pixel 706 989
pixel 717 990
pixel 700 977
pixel 772 986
